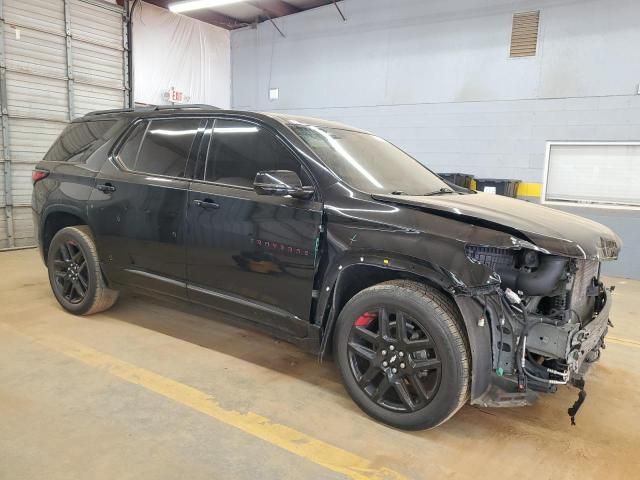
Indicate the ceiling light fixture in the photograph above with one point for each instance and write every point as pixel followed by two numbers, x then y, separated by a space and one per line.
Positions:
pixel 180 7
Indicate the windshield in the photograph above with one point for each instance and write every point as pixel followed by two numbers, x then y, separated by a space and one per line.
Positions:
pixel 369 163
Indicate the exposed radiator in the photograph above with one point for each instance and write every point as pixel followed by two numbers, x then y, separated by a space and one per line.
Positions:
pixel 587 271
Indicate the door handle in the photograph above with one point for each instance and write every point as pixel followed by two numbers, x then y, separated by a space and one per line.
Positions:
pixel 206 203
pixel 106 187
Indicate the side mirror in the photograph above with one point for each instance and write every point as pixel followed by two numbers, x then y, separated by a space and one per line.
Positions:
pixel 281 183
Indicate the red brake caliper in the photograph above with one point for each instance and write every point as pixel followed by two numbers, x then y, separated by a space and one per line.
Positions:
pixel 365 319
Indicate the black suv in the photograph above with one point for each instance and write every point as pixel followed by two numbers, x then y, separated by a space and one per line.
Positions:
pixel 427 295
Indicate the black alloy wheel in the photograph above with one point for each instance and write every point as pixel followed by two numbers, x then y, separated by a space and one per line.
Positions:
pixel 394 360
pixel 75 273
pixel 403 355
pixel 70 272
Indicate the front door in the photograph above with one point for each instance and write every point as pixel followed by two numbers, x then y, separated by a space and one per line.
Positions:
pixel 253 255
pixel 139 202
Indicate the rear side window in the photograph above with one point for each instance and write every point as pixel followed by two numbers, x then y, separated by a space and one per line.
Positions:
pixel 160 147
pixel 79 140
pixel 239 150
pixel 166 146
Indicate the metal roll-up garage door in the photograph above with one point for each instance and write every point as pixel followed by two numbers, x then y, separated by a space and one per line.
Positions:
pixel 59 59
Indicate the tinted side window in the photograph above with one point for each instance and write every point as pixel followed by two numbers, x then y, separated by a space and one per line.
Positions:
pixel 166 146
pixel 239 150
pixel 129 151
pixel 79 140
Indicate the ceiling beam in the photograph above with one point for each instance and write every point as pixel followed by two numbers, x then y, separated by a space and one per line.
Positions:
pixel 205 15
pixel 215 18
pixel 274 8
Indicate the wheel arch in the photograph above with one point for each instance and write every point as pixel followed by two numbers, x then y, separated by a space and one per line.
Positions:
pixel 56 218
pixel 355 273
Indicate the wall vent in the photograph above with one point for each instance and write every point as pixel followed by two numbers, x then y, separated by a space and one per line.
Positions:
pixel 524 34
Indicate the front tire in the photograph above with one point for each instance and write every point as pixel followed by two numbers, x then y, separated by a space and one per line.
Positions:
pixel 402 354
pixel 74 272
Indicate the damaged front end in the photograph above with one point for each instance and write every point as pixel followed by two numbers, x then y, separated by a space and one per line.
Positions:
pixel 548 316
pixel 526 280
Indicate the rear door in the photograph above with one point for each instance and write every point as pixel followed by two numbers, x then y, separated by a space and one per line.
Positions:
pixel 138 206
pixel 253 255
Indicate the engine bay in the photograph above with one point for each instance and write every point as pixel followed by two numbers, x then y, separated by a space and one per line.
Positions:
pixel 548 319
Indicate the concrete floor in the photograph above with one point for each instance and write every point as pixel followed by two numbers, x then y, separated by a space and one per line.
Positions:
pixel 146 390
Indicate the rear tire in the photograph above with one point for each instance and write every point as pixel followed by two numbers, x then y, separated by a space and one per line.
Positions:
pixel 413 373
pixel 74 272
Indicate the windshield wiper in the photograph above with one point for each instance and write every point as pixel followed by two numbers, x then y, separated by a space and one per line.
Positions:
pixel 442 191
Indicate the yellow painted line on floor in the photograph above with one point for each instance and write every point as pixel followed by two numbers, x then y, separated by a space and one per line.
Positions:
pixel 622 341
pixel 329 456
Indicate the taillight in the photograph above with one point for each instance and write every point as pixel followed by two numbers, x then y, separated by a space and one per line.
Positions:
pixel 38 175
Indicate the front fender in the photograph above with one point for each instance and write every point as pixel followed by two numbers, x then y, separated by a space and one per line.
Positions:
pixel 331 299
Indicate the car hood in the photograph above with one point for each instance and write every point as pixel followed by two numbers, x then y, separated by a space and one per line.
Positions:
pixel 552 230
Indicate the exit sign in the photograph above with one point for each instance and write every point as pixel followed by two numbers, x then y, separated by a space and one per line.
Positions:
pixel 174 95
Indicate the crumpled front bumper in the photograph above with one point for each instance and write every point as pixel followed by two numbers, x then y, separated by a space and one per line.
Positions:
pixel 579 347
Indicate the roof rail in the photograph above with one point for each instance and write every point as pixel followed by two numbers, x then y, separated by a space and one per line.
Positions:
pixel 106 112
pixel 186 106
pixel 152 108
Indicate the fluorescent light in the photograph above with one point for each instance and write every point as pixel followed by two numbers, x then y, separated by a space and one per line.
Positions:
pixel 172 133
pixel 198 4
pixel 235 129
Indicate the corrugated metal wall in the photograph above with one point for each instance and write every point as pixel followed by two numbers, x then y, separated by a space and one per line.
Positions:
pixel 59 59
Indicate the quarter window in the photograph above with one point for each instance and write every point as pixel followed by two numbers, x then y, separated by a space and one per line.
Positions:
pixel 129 151
pixel 79 140
pixel 239 150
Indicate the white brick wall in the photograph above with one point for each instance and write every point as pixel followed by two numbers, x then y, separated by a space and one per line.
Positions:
pixel 436 79
pixel 503 139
